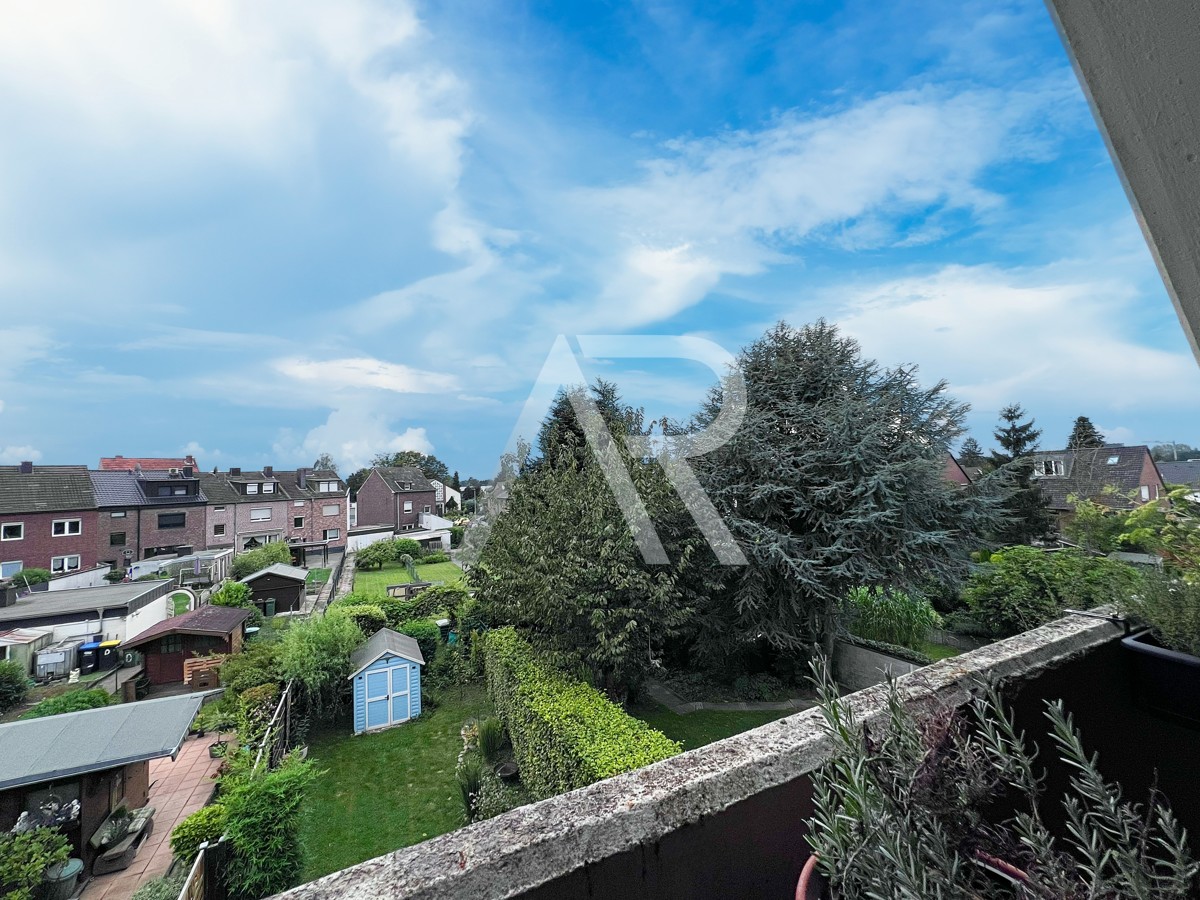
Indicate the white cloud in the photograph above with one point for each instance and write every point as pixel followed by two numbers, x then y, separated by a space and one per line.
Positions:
pixel 366 372
pixel 353 435
pixel 1049 338
pixel 13 455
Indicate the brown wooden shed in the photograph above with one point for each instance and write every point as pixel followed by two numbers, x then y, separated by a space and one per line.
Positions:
pixel 277 588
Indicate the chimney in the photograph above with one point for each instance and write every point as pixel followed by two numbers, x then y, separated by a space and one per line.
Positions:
pixel 269 471
pixel 8 593
pixel 302 478
pixel 137 469
pixel 188 471
pixel 235 471
pixel 27 467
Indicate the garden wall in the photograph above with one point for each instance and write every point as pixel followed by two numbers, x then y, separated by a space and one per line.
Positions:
pixel 858 667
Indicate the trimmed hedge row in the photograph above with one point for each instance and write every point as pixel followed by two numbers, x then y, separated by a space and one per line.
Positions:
pixel 565 734
pixel 905 653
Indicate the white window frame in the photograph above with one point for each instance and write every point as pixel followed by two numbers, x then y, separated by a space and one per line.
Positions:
pixel 120 514
pixel 1145 492
pixel 218 509
pixel 297 521
pixel 331 534
pixel 331 509
pixel 408 506
pixel 11 562
pixel 268 487
pixel 19 537
pixel 67 532
pixel 252 488
pixel 426 508
pixel 298 503
pixel 262 514
pixel 328 487
pixel 65 565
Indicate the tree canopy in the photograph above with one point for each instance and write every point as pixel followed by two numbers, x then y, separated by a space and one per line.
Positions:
pixel 430 465
pixel 1085 435
pixel 325 462
pixel 1027 517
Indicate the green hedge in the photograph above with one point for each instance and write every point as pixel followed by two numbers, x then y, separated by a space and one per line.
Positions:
pixel 565 734
pixel 913 656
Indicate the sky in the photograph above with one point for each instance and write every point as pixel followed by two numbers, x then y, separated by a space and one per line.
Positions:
pixel 258 232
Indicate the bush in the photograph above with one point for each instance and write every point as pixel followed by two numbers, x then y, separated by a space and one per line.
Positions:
pixel 168 887
pixel 891 616
pixel 1022 587
pixel 205 824
pixel 258 663
pixel 14 685
pixel 406 547
pixel 468 775
pixel 440 598
pixel 256 705
pixel 217 716
pixel 316 653
pixel 31 577
pixel 565 734
pixel 427 635
pixel 1171 608
pixel 368 617
pixel 262 828
pixel 491 737
pixel 71 701
pixel 25 856
pixel 373 556
pixel 258 559
pixel 456 535
pixel 231 593
pixel 437 556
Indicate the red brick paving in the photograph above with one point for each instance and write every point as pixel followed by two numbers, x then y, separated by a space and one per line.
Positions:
pixel 177 789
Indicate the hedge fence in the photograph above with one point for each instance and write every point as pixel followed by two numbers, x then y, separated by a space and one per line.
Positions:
pixel 565 734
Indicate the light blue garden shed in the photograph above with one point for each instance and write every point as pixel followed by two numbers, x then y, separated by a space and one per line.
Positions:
pixel 387 681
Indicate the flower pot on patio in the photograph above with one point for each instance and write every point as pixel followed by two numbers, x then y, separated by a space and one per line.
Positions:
pixel 58 883
pixel 1168 682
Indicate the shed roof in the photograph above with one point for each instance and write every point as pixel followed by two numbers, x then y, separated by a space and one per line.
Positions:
pixel 71 744
pixel 281 569
pixel 208 619
pixel 45 489
pixel 380 644
pixel 58 603
pixel 14 636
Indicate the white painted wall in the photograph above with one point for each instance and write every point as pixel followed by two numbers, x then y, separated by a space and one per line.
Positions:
pixel 90 578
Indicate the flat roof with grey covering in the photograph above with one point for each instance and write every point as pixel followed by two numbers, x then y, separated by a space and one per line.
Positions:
pixel 281 569
pixel 385 641
pixel 60 603
pixel 71 744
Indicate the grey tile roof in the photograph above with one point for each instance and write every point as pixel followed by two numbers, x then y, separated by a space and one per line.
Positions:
pixel 385 641
pixel 398 478
pixel 70 744
pixel 1086 473
pixel 46 489
pixel 60 603
pixel 219 487
pixel 1184 472
pixel 282 569
pixel 117 489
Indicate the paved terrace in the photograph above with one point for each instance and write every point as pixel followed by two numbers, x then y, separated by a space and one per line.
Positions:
pixel 670 830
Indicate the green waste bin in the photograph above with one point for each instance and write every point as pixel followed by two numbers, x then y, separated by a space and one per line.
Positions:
pixel 269 608
pixel 59 881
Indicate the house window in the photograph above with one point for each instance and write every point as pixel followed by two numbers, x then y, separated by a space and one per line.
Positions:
pixel 116 539
pixel 328 487
pixel 172 520
pixel 64 563
pixel 218 530
pixel 331 534
pixel 298 503
pixel 252 489
pixel 298 522
pixel 119 514
pixel 1112 460
pixel 260 515
pixel 426 508
pixel 1145 492
pixel 172 643
pixel 1049 467
pixel 331 509
pixel 179 491
pixel 218 509
pixel 12 531
pixel 66 527
pixel 269 487
pixel 9 569
pixel 408 506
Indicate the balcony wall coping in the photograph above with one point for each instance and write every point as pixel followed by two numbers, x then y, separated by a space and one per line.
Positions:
pixel 530 846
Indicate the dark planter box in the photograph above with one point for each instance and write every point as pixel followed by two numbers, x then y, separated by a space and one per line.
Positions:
pixel 1168 681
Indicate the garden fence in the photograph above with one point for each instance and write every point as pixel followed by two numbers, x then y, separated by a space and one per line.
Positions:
pixel 277 739
pixel 206 879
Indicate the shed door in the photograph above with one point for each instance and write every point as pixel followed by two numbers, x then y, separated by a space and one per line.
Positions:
pixel 387 696
pixel 400 693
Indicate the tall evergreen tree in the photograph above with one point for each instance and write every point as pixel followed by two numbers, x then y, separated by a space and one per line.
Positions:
pixel 971 453
pixel 1028 518
pixel 1085 435
pixel 835 480
pixel 454 481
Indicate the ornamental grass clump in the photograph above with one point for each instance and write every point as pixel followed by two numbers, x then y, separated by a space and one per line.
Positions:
pixel 1171 609
pixel 911 808
pixel 891 616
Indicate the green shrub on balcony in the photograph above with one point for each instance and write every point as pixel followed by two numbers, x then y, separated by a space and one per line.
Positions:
pixel 565 734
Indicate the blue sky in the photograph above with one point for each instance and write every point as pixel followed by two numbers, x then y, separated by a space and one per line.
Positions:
pixel 257 232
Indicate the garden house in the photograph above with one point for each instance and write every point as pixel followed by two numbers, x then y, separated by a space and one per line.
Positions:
pixel 277 588
pixel 387 681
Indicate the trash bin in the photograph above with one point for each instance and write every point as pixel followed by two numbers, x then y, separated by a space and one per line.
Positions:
pixel 110 656
pixel 60 879
pixel 89 657
pixel 269 608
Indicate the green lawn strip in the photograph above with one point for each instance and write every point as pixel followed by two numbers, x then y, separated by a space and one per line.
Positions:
pixel 703 727
pixel 376 581
pixel 938 651
pixel 319 576
pixel 386 790
pixel 447 572
pixel 180 603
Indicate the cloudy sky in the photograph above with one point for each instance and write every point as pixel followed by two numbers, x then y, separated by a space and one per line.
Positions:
pixel 261 231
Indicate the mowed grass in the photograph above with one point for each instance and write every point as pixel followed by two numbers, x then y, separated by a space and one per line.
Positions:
pixel 385 790
pixel 180 603
pixel 318 576
pixel 376 581
pixel 704 726
pixel 938 651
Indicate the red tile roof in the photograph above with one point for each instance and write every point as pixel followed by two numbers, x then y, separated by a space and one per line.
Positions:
pixel 129 463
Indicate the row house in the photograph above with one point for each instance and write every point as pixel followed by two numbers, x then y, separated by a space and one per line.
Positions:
pixel 247 509
pixel 1119 477
pixel 146 513
pixel 47 519
pixel 395 496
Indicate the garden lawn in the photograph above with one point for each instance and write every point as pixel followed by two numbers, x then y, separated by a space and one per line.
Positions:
pixel 386 790
pixel 180 603
pixel 376 581
pixel 938 651
pixel 318 576
pixel 704 726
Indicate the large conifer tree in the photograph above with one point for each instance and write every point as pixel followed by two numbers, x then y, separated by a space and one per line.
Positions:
pixel 1085 435
pixel 1028 518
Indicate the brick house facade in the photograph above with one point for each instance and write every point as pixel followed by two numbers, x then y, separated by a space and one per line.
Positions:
pixel 143 514
pixel 248 508
pixel 47 519
pixel 395 496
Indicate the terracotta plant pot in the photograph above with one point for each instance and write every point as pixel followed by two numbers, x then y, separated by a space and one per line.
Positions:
pixel 812 884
